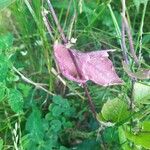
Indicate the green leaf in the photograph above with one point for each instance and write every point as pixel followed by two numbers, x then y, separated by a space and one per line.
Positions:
pixel 89 144
pixel 63 148
pixel 55 125
pixel 137 3
pixel 5 3
pixel 65 123
pixel 1 144
pixel 15 100
pixel 60 101
pixel 123 139
pixel 49 116
pixel 4 67
pixel 6 41
pixel 146 126
pixel 34 125
pixel 25 89
pixel 146 38
pixel 110 135
pixel 143 137
pixel 57 111
pixel 141 93
pixel 60 105
pixel 2 91
pixel 115 110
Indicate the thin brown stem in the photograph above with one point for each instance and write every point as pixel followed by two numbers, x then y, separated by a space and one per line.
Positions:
pixel 124 49
pixel 130 40
pixel 92 107
pixel 37 85
pixel 56 21
pixel 125 27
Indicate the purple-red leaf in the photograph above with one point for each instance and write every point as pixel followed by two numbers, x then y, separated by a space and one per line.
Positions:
pixel 94 66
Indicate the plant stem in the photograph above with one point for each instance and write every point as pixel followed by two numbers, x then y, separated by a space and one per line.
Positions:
pixel 125 26
pixel 56 21
pixel 37 85
pixel 140 34
pixel 92 107
pixel 47 24
pixel 124 49
pixel 130 40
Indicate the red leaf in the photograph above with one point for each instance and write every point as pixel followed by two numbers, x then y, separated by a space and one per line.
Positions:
pixel 94 66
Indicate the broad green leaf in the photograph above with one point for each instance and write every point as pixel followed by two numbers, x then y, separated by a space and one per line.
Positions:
pixel 89 144
pixel 122 138
pixel 5 3
pixel 24 88
pixel 146 126
pixel 25 141
pixel 6 41
pixel 143 137
pixel 34 125
pixel 29 143
pixel 110 135
pixel 1 144
pixel 146 39
pixel 15 100
pixel 63 148
pixel 115 110
pixel 4 67
pixel 2 91
pixel 141 93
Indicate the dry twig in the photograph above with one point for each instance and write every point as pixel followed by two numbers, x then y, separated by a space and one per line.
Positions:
pixel 37 85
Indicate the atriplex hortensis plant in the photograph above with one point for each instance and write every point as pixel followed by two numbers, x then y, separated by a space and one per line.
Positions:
pixel 81 67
